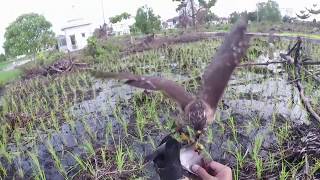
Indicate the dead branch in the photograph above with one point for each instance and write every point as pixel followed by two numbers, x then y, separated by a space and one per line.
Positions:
pixel 313 75
pixel 311 63
pixel 62 66
pixel 306 102
pixel 55 69
pixel 297 72
pixel 287 57
pixel 288 60
pixel 59 67
pixel 70 67
pixel 262 64
pixel 309 75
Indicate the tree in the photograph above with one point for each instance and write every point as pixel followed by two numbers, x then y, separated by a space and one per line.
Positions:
pixel 27 35
pixel 199 10
pixel 269 11
pixel 233 17
pixel 252 16
pixel 119 18
pixel 210 16
pixel 288 19
pixel 3 58
pixel 146 21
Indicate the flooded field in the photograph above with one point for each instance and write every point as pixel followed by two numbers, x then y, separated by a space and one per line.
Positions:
pixel 76 127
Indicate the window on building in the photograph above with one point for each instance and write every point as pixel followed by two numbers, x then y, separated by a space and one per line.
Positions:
pixel 73 40
pixel 62 42
pixel 174 21
pixel 83 34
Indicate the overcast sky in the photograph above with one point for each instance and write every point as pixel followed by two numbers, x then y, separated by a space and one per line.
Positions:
pixel 59 11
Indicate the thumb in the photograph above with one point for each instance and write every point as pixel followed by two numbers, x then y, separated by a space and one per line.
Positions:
pixel 201 172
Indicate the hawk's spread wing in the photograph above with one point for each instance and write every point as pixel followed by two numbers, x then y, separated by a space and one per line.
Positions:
pixel 218 72
pixel 170 88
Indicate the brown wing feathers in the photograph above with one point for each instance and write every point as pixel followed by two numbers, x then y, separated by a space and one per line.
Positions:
pixel 218 72
pixel 215 77
pixel 170 88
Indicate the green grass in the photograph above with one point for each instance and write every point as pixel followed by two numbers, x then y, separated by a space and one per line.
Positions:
pixel 294 34
pixel 6 76
pixel 4 64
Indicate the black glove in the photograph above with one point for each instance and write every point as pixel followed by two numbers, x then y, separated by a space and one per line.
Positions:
pixel 167 159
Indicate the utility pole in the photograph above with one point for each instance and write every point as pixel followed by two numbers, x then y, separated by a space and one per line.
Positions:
pixel 193 14
pixel 257 11
pixel 257 14
pixel 102 7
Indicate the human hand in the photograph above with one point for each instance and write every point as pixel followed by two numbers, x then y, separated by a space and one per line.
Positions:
pixel 222 172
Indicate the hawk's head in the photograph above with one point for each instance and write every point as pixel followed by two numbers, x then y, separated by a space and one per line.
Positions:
pixel 199 114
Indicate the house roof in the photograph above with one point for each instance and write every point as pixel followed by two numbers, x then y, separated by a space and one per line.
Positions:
pixel 75 23
pixel 172 19
pixel 60 37
pixel 224 18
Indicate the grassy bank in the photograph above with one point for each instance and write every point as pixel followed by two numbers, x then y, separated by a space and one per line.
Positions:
pixel 6 76
pixel 4 65
pixel 301 34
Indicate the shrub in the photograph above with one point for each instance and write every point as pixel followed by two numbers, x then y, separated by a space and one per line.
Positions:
pixel 102 50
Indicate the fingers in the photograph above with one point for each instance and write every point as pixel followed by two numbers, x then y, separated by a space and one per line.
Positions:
pixel 202 172
pixel 217 166
pixel 222 170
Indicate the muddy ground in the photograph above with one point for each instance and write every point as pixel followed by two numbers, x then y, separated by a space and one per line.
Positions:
pixel 256 105
pixel 265 97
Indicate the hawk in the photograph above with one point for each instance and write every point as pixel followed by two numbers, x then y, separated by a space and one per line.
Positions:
pixel 197 110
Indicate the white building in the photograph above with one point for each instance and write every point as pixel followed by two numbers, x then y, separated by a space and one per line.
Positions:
pixel 172 23
pixel 122 27
pixel 76 33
